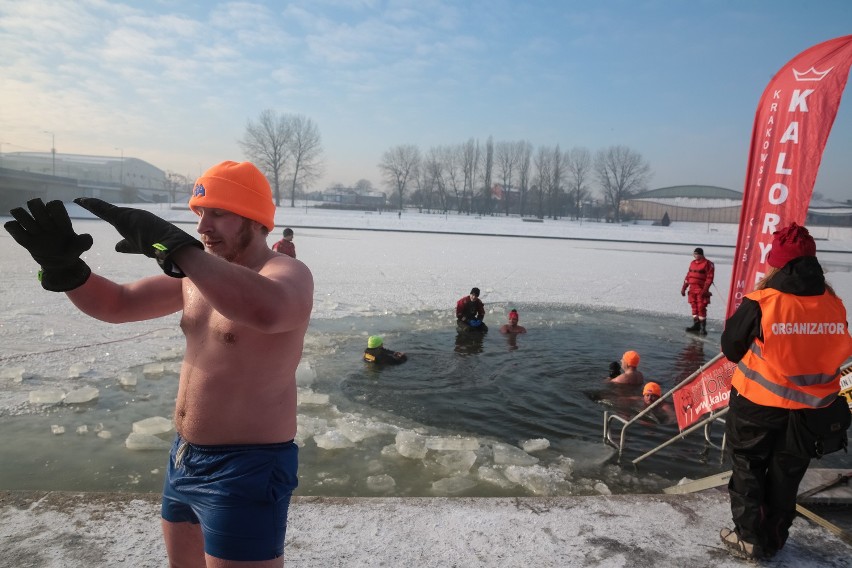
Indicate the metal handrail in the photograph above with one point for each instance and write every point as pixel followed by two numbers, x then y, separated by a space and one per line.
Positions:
pixel 706 422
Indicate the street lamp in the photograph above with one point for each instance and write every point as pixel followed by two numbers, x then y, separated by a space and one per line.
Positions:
pixel 52 148
pixel 121 175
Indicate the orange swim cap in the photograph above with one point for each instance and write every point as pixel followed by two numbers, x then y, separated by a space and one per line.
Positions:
pixel 652 388
pixel 240 188
pixel 631 358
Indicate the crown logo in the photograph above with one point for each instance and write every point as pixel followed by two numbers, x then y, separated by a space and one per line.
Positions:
pixel 811 74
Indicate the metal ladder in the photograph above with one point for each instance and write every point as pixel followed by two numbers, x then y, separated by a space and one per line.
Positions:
pixel 705 423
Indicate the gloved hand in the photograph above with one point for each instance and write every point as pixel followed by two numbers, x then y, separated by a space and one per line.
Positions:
pixel 143 232
pixel 683 291
pixel 46 232
pixel 706 294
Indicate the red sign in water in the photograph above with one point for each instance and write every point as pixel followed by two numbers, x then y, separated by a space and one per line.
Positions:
pixel 791 127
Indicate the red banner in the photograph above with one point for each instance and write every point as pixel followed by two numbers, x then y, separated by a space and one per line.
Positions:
pixel 791 126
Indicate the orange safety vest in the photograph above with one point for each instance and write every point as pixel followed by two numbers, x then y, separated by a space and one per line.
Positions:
pixel 797 364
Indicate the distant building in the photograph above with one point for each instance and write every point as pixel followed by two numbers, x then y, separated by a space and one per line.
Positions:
pixel 339 197
pixel 694 203
pixel 26 175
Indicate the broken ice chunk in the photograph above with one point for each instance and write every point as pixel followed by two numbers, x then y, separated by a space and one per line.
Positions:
pixel 57 429
pixel 153 426
pixel 510 455
pixel 457 462
pixel 105 434
pixel 332 440
pixel 14 374
pixel 411 445
pixel 452 485
pixel 306 396
pixel 46 396
pixel 536 445
pixel 82 395
pixel 78 369
pixel 127 379
pixel 451 443
pixel 82 430
pixel 381 483
pixel 138 441
pixel 153 370
pixel 305 374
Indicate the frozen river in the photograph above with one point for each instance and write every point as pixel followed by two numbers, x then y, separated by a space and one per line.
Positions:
pixel 452 421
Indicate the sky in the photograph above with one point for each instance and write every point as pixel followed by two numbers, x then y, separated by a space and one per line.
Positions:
pixel 175 83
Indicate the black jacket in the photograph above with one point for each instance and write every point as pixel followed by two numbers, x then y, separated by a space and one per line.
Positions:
pixel 802 276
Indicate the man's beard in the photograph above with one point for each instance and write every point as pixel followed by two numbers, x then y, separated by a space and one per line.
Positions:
pixel 240 242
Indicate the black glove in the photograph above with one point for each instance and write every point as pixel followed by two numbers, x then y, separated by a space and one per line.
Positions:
pixel 143 232
pixel 46 232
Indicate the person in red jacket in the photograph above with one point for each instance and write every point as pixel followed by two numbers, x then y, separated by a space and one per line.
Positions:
pixel 285 245
pixel 698 281
pixel 470 311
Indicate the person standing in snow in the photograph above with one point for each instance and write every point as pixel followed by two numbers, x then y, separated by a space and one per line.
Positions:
pixel 698 280
pixel 245 310
pixel 779 371
pixel 285 245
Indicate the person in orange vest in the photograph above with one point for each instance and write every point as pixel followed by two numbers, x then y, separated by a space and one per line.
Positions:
pixel 788 338
pixel 698 280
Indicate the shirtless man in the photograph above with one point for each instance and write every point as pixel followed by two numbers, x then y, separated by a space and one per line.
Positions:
pixel 512 326
pixel 631 375
pixel 245 308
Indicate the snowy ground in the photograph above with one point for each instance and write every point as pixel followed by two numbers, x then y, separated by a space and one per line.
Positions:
pixel 367 270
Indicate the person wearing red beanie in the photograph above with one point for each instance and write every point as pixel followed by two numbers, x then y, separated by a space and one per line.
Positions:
pixel 788 339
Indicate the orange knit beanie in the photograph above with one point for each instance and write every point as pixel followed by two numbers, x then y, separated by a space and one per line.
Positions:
pixel 240 188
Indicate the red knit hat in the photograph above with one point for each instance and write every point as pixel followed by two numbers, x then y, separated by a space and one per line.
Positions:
pixel 789 243
pixel 240 188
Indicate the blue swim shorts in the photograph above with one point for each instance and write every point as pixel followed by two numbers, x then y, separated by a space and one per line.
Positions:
pixel 240 494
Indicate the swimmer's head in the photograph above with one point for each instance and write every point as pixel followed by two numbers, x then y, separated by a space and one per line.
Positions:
pixel 374 341
pixel 651 392
pixel 630 358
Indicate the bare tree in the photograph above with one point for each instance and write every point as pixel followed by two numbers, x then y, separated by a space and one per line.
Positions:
pixel 363 186
pixel 472 162
pixel 267 144
pixel 525 150
pixel 579 164
pixel 485 207
pixel 453 162
pixel 543 175
pixel 621 172
pixel 506 156
pixel 399 166
pixel 557 171
pixel 305 149
pixel 434 174
pixel 177 184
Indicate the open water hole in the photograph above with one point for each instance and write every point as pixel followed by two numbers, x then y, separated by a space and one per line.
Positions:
pixel 439 424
